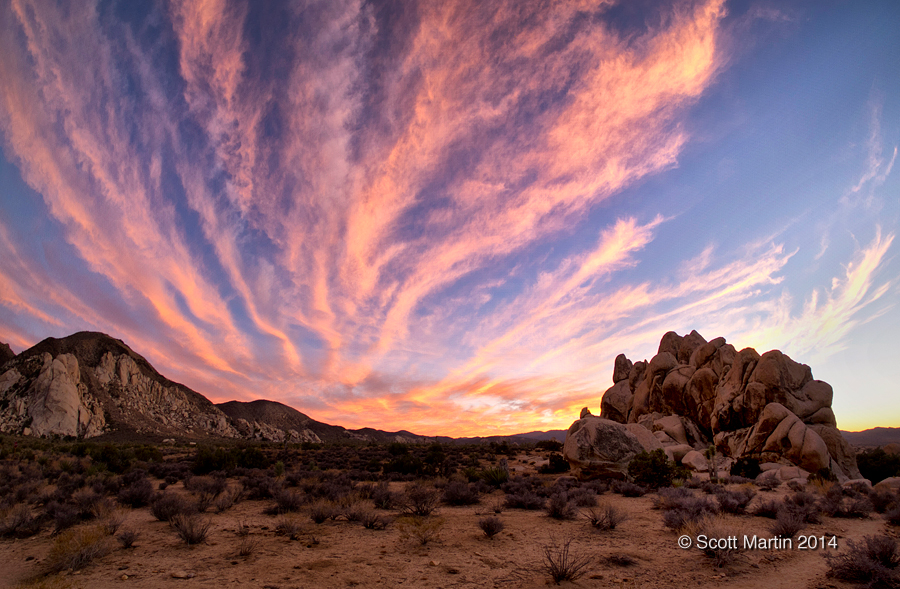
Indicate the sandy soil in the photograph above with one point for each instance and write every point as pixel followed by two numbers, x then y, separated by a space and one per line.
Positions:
pixel 344 554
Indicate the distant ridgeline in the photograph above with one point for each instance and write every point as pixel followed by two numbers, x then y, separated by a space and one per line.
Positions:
pixel 89 384
pixel 693 394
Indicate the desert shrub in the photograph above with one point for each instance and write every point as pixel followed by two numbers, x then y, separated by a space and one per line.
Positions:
pixel 419 500
pixel 246 546
pixel 605 518
pixel 556 465
pixel 286 501
pixel 323 510
pixel 767 508
pixel 289 526
pixel 874 561
pixel 549 445
pixel 491 526
pixel 88 502
pixel 562 563
pixel 227 500
pixel 858 507
pixel 127 538
pixel 735 501
pixel 165 506
pixel 620 560
pixel 19 522
pixel 75 549
pixel 421 529
pixel 746 467
pixel 583 497
pixel 191 528
pixel 721 552
pixel 711 488
pixel 559 507
pixel 525 499
pixel 112 521
pixel 383 497
pixel 685 511
pixel 64 516
pixel 652 469
pixel 259 485
pixel 882 500
pixel 374 521
pixel 806 505
pixel 627 489
pixel 670 496
pixel 787 523
pixel 459 493
pixel 136 494
pixel 877 465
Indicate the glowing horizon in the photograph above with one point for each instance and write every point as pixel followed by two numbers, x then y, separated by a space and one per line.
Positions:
pixel 450 218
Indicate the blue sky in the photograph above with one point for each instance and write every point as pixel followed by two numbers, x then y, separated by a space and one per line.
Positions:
pixel 451 217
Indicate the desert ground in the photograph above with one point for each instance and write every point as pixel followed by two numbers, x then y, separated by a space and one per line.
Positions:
pixel 250 544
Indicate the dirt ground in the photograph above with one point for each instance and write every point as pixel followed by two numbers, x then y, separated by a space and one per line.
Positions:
pixel 344 554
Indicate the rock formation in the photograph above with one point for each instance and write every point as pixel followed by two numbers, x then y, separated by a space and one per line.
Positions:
pixel 694 393
pixel 89 384
pixel 6 354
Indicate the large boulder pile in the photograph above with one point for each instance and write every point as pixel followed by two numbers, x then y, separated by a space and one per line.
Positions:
pixel 695 393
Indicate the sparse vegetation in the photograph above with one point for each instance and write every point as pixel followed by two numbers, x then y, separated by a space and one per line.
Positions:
pixel 491 526
pixel 75 549
pixel 422 529
pixel 652 470
pixel 874 561
pixel 605 517
pixel 191 528
pixel 563 563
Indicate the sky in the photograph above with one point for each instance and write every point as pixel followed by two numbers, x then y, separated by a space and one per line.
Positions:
pixel 450 217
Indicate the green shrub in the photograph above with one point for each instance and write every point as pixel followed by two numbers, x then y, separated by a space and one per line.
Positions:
pixel 557 465
pixel 652 469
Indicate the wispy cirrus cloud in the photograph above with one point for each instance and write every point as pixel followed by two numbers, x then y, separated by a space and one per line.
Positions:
pixel 384 214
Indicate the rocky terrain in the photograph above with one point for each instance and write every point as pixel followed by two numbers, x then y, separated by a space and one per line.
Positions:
pixel 89 384
pixel 694 393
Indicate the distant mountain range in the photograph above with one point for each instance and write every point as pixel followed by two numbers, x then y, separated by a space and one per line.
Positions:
pixel 877 436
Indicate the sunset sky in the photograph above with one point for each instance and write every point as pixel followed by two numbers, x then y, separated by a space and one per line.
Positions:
pixel 449 217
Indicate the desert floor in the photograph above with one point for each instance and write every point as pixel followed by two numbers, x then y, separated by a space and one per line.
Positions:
pixel 344 554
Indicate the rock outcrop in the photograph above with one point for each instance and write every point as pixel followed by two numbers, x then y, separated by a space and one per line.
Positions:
pixel 600 446
pixel 694 393
pixel 90 384
pixel 6 354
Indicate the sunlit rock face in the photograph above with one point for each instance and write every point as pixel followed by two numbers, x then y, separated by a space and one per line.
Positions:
pixel 694 393
pixel 89 383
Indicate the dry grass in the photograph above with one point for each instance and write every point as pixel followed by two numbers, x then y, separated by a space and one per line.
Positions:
pixel 77 548
pixel 562 563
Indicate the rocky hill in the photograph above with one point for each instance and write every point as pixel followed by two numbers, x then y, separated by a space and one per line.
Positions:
pixel 271 417
pixel 877 436
pixel 89 384
pixel 694 393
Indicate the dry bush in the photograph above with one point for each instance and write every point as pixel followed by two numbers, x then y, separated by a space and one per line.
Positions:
pixel 354 511
pixel 286 501
pixel 715 528
pixel 64 516
pixel 524 499
pixel 191 528
pixel 289 526
pixel 127 537
pixel 247 546
pixel 419 500
pixel 165 506
pixel 806 505
pixel 491 526
pixel 768 508
pixel 620 560
pixel 668 497
pixel 787 523
pixel 875 561
pixel 420 528
pixel 606 517
pixel 383 497
pixel 113 521
pixel 19 522
pixel 562 563
pixel 75 549
pixel 559 507
pixel 323 510
pixel 375 521
pixel 688 510
pixel 136 494
pixel 460 493
pixel 736 501
pixel 626 489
